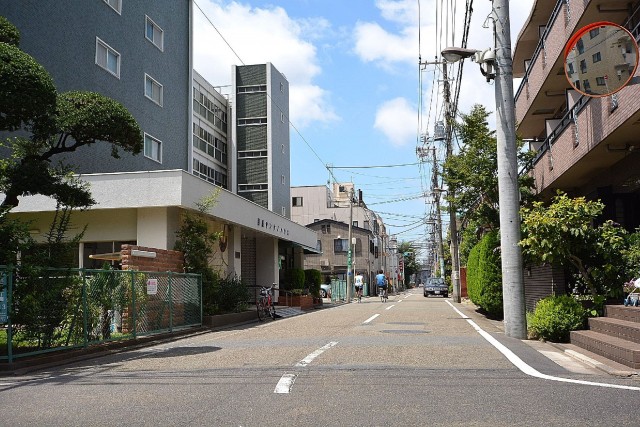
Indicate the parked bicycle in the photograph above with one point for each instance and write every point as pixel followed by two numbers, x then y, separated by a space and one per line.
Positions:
pixel 265 304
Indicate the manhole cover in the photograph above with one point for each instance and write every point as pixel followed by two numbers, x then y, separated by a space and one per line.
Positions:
pixel 406 323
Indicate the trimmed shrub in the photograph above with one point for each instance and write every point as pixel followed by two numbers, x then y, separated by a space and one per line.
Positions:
pixel 294 279
pixel 313 278
pixel 484 276
pixel 554 317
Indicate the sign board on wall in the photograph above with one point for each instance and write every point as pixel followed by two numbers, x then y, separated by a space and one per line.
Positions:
pixel 152 286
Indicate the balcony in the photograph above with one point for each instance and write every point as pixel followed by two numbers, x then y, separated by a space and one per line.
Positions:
pixel 542 92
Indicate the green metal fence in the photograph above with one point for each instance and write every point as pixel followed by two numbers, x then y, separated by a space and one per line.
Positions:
pixel 43 310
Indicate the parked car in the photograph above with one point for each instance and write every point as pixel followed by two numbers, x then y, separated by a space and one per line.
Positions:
pixel 325 291
pixel 436 286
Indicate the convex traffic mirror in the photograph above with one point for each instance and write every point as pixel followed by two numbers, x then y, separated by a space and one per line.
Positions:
pixel 600 59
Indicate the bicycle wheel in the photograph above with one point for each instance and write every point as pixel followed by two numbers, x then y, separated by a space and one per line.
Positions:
pixel 381 295
pixel 272 312
pixel 261 310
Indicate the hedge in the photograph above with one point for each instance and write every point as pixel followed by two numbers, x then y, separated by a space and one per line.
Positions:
pixel 484 275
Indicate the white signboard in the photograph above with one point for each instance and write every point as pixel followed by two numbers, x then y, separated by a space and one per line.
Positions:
pixel 152 286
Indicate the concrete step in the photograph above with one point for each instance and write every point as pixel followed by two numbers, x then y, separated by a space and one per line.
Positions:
pixel 623 329
pixel 613 348
pixel 630 314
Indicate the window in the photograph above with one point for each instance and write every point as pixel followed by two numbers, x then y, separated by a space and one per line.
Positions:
pixel 107 58
pixel 593 33
pixel 152 148
pixel 596 57
pixel 600 81
pixel 587 86
pixel 296 201
pixel 326 229
pixel 281 87
pixel 340 245
pixel 580 46
pixel 283 181
pixel 251 89
pixel 570 70
pixel 354 223
pixel 254 121
pixel 583 66
pixel 115 5
pixel 282 117
pixel 154 33
pixel 152 89
pixel 282 147
pixel 284 211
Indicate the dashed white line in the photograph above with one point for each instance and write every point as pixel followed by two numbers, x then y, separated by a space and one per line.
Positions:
pixel 528 370
pixel 304 362
pixel 371 318
pixel 285 384
pixel 390 307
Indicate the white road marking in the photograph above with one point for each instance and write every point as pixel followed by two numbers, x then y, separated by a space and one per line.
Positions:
pixel 304 362
pixel 371 318
pixel 285 384
pixel 390 307
pixel 528 370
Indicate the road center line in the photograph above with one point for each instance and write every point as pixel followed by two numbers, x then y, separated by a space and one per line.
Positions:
pixel 304 362
pixel 390 307
pixel 285 383
pixel 526 369
pixel 371 318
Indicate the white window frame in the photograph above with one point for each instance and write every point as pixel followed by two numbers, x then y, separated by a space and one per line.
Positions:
pixel 160 43
pixel 150 154
pixel 147 77
pixel 101 44
pixel 117 7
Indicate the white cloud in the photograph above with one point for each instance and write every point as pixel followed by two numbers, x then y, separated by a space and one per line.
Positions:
pixel 258 36
pixel 396 119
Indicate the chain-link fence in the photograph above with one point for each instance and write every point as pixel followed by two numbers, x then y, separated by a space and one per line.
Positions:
pixel 44 309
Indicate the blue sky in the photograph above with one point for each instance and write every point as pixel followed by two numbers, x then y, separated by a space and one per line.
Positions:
pixel 354 82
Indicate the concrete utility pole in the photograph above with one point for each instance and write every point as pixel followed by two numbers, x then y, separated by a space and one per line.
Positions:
pixel 453 222
pixel 438 216
pixel 512 280
pixel 349 255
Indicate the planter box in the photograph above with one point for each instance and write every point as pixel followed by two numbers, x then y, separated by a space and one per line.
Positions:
pixel 229 319
pixel 305 302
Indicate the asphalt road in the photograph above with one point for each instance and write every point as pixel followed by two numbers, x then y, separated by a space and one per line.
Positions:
pixel 412 361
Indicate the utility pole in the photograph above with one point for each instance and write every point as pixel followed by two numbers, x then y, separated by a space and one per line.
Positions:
pixel 438 217
pixel 515 321
pixel 349 255
pixel 453 222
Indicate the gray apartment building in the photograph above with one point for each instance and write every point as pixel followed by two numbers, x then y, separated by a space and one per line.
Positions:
pixel 261 136
pixel 137 52
pixel 140 54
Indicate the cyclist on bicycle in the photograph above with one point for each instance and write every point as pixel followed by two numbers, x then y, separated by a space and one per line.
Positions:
pixel 381 281
pixel 359 281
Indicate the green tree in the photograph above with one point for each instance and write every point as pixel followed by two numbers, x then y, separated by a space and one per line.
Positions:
pixel 472 177
pixel 411 265
pixel 564 233
pixel 197 242
pixel 58 123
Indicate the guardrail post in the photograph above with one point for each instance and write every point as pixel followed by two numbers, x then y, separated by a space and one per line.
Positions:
pixel 133 304
pixel 85 311
pixel 170 304
pixel 9 309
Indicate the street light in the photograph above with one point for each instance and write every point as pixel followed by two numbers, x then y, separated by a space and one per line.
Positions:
pixel 508 191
